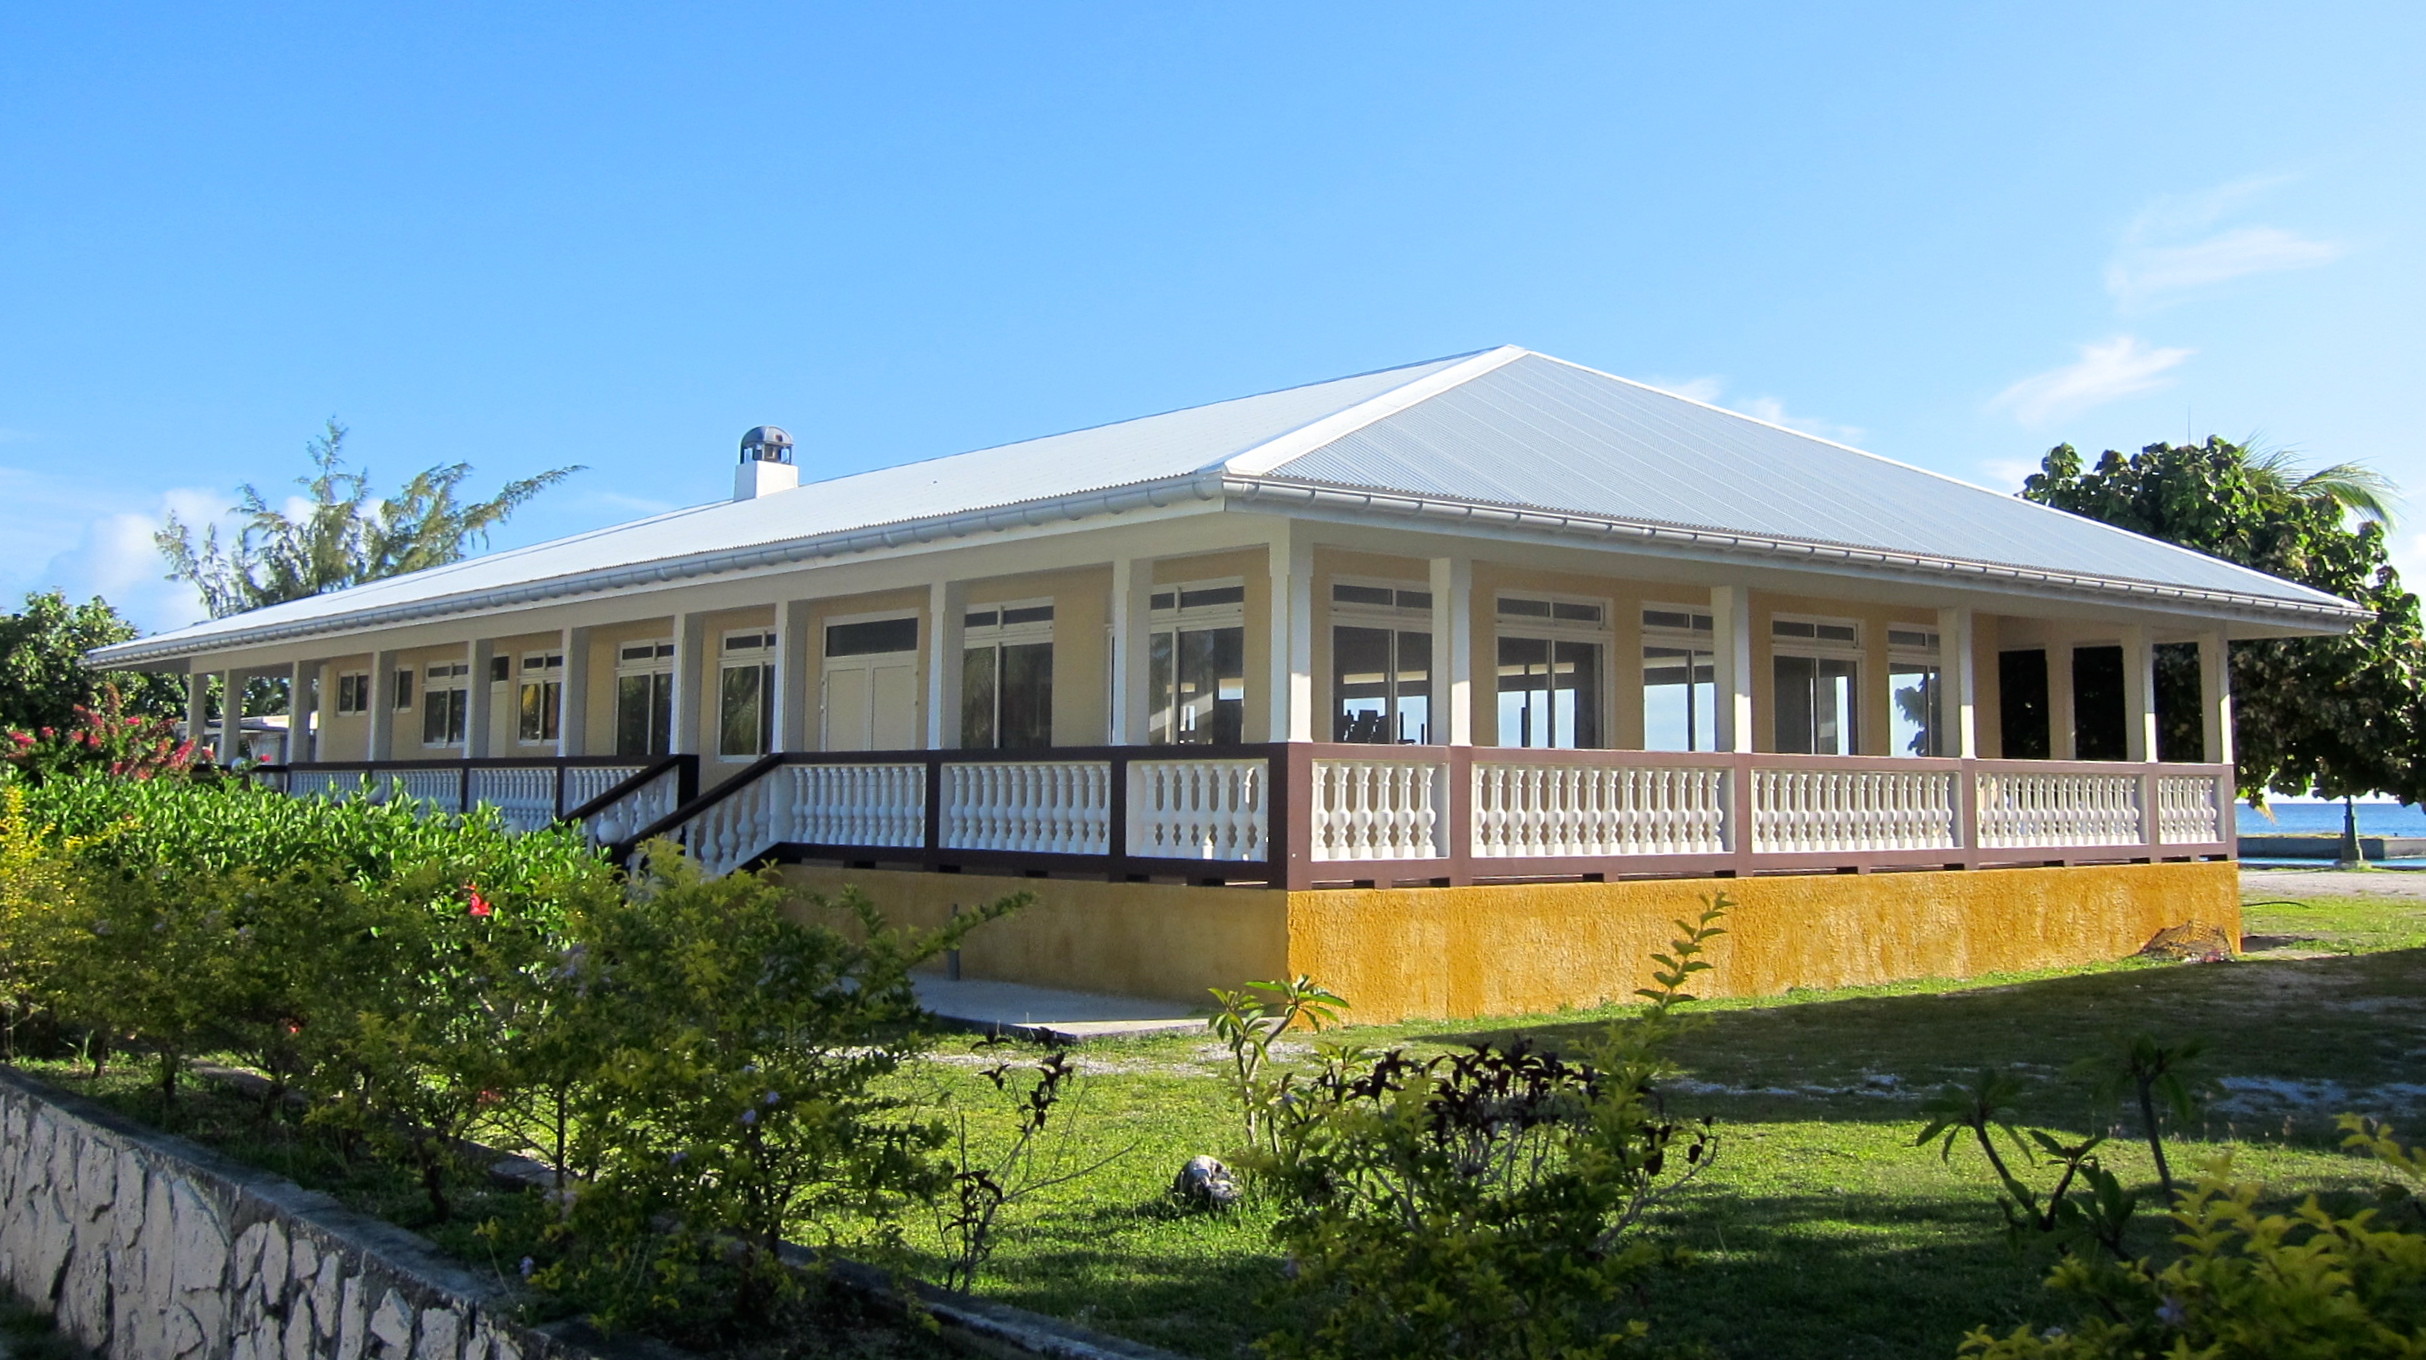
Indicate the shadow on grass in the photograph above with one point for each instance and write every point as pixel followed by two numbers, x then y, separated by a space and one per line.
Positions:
pixel 2294 1039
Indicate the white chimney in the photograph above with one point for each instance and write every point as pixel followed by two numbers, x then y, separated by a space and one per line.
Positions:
pixel 766 464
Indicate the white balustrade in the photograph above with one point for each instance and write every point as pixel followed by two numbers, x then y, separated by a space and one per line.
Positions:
pixel 323 783
pixel 636 810
pixel 1530 810
pixel 876 805
pixel 734 829
pixel 585 784
pixel 524 795
pixel 1378 809
pixel 2189 810
pixel 2020 810
pixel 1043 807
pixel 1804 810
pixel 442 786
pixel 1199 809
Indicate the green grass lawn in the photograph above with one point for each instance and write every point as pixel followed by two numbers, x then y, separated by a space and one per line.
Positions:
pixel 1822 1231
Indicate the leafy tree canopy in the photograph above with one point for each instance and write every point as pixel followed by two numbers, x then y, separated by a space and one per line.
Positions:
pixel 2338 717
pixel 343 536
pixel 42 675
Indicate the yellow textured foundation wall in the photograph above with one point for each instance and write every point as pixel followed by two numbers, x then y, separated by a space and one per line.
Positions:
pixel 1509 950
pixel 1451 953
pixel 1129 939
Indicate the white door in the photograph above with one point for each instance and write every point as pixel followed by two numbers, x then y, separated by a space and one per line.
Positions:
pixel 871 703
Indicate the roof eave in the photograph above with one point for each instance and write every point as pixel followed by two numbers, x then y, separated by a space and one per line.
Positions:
pixel 1717 544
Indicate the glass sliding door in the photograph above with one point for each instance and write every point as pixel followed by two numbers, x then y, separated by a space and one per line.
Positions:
pixel 644 698
pixel 1381 664
pixel 1006 685
pixel 1551 654
pixel 1680 679
pixel 1196 665
pixel 1916 704
pixel 745 695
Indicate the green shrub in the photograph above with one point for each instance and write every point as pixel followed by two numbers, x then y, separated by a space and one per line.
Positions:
pixel 1489 1203
pixel 2248 1285
pixel 740 1083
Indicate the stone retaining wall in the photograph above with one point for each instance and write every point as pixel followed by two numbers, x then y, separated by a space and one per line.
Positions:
pixel 149 1247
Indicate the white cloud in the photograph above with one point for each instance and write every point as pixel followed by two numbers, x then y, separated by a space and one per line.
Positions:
pixel 2106 371
pixel 2172 248
pixel 1711 389
pixel 2008 472
pixel 114 557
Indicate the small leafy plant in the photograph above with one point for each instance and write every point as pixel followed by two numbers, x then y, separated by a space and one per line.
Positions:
pixel 1248 1021
pixel 1040 1097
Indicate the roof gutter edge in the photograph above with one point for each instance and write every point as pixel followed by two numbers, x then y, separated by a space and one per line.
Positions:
pixel 1756 545
pixel 1202 486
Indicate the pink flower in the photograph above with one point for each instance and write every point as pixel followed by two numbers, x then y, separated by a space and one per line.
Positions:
pixel 480 905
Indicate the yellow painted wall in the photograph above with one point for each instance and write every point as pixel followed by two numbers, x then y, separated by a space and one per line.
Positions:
pixel 1401 953
pixel 1129 939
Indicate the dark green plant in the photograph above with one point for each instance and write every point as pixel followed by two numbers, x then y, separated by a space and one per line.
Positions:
pixel 43 678
pixel 1491 1202
pixel 2149 1073
pixel 2084 1204
pixel 2334 716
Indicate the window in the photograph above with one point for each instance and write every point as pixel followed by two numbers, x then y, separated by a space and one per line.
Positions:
pixel 644 698
pixel 354 692
pixel 1550 652
pixel 539 701
pixel 1381 663
pixel 1196 664
pixel 446 703
pixel 1915 701
pixel 404 689
pixel 1680 679
pixel 2021 687
pixel 1817 665
pixel 501 670
pixel 2099 728
pixel 1006 676
pixel 745 695
pixel 870 692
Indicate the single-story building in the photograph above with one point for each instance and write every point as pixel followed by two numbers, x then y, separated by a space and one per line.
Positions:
pixel 1451 685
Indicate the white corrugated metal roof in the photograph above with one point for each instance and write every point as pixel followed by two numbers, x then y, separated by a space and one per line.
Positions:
pixel 1503 428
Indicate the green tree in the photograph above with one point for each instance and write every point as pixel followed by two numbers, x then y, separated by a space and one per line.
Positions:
pixel 2339 717
pixel 43 679
pixel 343 536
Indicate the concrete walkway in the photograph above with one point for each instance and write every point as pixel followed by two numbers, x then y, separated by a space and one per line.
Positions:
pixel 1050 1015
pixel 2272 883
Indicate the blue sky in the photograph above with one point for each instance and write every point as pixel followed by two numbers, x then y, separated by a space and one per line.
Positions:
pixel 619 236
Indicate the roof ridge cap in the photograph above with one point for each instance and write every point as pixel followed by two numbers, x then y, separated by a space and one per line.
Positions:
pixel 1263 458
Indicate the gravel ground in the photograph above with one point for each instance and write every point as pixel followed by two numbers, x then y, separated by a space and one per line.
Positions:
pixel 2271 883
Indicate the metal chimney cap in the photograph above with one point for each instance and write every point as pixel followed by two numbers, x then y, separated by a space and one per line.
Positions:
pixel 766 444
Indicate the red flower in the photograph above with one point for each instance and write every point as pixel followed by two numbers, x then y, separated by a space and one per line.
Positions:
pixel 480 905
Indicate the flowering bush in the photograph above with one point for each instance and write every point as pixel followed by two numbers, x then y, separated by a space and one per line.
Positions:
pixel 104 737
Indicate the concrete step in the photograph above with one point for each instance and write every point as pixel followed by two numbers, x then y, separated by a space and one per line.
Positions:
pixel 1050 1015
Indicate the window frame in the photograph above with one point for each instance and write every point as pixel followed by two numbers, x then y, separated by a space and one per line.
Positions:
pixel 1552 628
pixel 1410 611
pixel 761 642
pixel 545 677
pixel 986 627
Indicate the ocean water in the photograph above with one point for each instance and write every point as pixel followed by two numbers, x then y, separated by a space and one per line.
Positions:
pixel 2375 819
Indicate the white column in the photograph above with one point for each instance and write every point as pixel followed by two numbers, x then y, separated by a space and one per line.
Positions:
pixel 1292 627
pixel 1453 651
pixel 1958 684
pixel 231 716
pixel 480 704
pixel 573 696
pixel 1128 706
pixel 301 681
pixel 2139 694
pixel 690 682
pixel 2062 731
pixel 1731 638
pixel 791 696
pixel 2215 698
pixel 382 744
pixel 197 706
pixel 947 633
